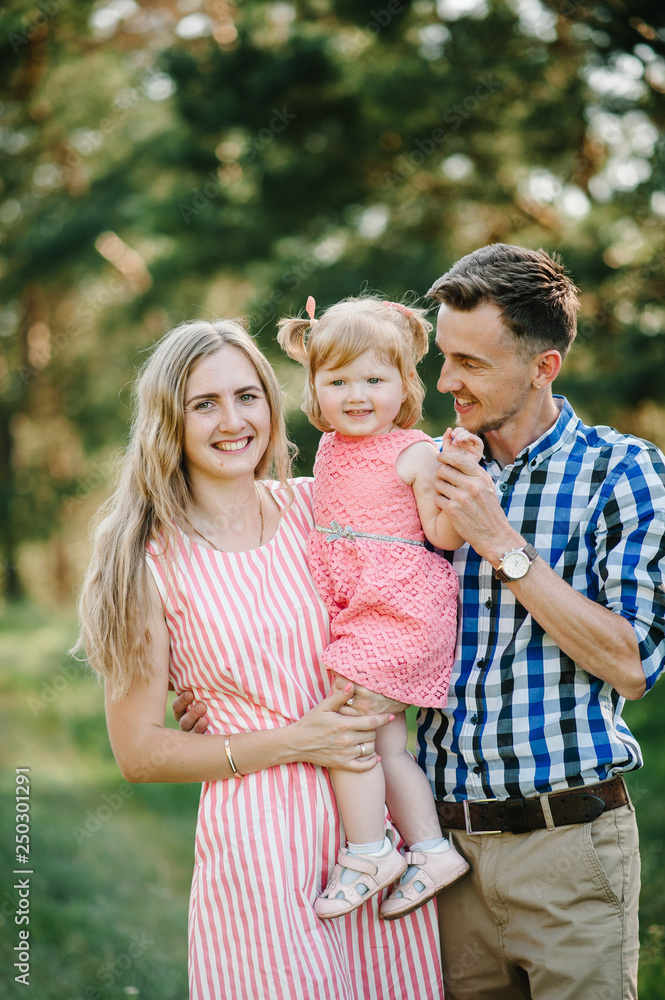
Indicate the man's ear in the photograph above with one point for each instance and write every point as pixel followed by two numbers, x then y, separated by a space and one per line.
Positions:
pixel 547 367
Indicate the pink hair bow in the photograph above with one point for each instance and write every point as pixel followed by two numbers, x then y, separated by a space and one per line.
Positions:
pixel 402 309
pixel 310 308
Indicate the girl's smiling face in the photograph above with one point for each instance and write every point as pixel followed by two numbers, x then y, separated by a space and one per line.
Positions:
pixel 361 398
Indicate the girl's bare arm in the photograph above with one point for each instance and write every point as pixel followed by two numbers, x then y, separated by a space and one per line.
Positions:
pixel 417 465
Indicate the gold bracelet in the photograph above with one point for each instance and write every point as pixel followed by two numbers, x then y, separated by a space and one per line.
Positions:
pixel 229 755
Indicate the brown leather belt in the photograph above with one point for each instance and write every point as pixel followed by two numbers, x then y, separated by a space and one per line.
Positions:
pixel 574 805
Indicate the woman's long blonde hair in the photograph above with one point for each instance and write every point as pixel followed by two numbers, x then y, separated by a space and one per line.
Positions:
pixel 153 493
pixel 398 334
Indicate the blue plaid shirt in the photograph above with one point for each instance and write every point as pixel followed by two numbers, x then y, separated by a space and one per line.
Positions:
pixel 522 718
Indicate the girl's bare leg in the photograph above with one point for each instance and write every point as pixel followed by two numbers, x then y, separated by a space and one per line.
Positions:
pixel 361 797
pixel 370 862
pixel 408 793
pixel 362 803
pixel 433 861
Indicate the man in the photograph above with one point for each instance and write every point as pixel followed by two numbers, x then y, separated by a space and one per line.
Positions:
pixel 562 618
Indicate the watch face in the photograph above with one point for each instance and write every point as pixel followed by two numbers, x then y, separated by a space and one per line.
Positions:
pixel 515 565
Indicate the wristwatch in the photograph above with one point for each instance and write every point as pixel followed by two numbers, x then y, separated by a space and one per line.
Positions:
pixel 514 565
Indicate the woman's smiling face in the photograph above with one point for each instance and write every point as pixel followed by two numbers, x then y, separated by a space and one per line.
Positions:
pixel 227 417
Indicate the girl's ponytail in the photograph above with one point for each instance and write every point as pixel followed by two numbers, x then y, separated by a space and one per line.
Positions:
pixel 418 327
pixel 292 337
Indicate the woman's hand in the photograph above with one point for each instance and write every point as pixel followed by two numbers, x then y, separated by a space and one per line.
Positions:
pixel 330 735
pixel 190 714
pixel 326 737
pixel 365 702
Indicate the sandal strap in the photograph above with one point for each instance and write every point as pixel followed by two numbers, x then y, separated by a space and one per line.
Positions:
pixel 416 859
pixel 355 863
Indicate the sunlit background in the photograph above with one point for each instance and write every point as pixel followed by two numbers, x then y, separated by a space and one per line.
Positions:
pixel 164 161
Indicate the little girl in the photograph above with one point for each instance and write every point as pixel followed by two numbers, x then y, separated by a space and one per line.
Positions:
pixel 392 601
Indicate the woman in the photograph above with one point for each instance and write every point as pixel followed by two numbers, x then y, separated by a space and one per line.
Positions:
pixel 199 578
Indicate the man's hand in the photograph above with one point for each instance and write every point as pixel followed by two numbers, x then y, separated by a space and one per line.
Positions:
pixel 466 494
pixel 190 714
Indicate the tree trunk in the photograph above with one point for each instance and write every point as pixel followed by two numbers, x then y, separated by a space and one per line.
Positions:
pixel 11 583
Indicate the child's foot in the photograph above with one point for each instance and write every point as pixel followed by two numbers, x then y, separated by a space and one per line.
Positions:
pixel 427 874
pixel 345 893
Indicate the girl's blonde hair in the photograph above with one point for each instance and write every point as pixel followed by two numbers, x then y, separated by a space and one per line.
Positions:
pixel 398 334
pixel 153 493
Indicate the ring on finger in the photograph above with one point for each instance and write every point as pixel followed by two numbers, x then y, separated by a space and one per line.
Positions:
pixel 350 701
pixel 363 749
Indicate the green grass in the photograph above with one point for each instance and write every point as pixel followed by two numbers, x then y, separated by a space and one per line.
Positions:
pixel 112 862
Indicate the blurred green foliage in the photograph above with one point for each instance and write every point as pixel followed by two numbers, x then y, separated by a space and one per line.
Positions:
pixel 165 161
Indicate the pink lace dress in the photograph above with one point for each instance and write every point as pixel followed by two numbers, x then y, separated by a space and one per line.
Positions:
pixel 392 605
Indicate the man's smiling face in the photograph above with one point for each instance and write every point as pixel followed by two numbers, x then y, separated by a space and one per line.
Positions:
pixel 483 368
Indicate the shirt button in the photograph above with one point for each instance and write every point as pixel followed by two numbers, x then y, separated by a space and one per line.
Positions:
pixel 489 603
pixel 474 719
pixel 481 663
pixel 477 769
pixel 503 487
pixel 534 461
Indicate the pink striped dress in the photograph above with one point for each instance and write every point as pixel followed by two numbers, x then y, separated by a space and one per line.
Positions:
pixel 247 630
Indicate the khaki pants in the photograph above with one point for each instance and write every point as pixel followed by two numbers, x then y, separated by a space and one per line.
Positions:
pixel 546 915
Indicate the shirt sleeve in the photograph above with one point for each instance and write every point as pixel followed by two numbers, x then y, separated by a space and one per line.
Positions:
pixel 630 552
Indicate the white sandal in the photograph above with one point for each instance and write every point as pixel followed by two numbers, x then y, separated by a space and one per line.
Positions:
pixel 374 874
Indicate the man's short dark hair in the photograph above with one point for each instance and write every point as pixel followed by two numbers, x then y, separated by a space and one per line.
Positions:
pixel 537 299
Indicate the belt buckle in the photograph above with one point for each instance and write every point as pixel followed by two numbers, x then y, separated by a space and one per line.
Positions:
pixel 467 818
